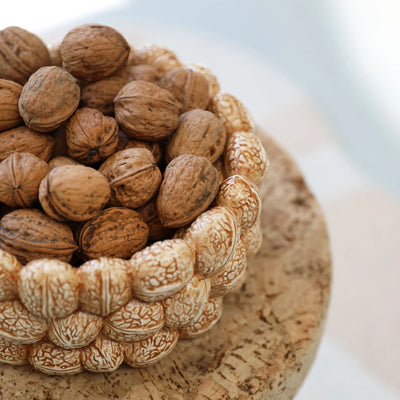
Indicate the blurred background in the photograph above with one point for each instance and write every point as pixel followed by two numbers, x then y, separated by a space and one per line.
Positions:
pixel 322 78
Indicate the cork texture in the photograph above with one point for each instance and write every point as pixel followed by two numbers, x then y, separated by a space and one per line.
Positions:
pixel 266 340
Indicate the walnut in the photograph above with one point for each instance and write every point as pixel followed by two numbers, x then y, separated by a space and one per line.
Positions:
pixel 90 136
pixel 93 52
pixel 13 353
pixel 100 95
pixel 49 98
pixel 73 192
pixel 189 87
pixel 20 176
pixel 213 83
pixel 133 176
pixel 146 111
pixel 29 234
pixel 126 142
pixel 61 161
pixel 115 232
pixel 9 96
pixel 9 269
pixel 21 54
pixel 25 140
pixel 253 238
pixel 189 186
pixel 200 133
pixel 139 73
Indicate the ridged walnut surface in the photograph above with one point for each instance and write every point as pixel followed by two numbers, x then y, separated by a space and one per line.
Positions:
pixel 267 337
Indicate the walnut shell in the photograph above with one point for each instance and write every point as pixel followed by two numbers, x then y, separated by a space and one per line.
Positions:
pixel 146 111
pixel 73 192
pixel 213 83
pixel 161 270
pixel 20 177
pixel 61 161
pixel 115 232
pixel 100 95
pixel 49 98
pixel 189 186
pixel 9 269
pixel 139 73
pixel 133 175
pixel 200 133
pixel 29 234
pixel 25 140
pixel 104 285
pixel 48 288
pixel 9 96
pixel 189 87
pixel 93 52
pixel 253 238
pixel 21 54
pixel 126 142
pixel 13 353
pixel 90 136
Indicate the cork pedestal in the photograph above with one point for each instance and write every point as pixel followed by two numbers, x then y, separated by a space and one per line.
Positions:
pixel 266 340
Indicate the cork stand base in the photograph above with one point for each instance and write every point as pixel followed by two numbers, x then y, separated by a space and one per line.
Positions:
pixel 266 340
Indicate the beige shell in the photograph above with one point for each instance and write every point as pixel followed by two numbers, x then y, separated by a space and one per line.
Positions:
pixel 61 161
pixel 211 314
pixel 50 359
pixel 214 235
pixel 186 305
pixel 235 116
pixel 103 285
pixel 245 155
pixel 48 288
pixel 135 320
pixel 9 96
pixel 148 351
pixel 213 83
pixel 18 325
pixel 161 58
pixel 227 279
pixel 253 238
pixel 103 355
pixel 77 330
pixel 13 353
pixel 243 197
pixel 162 269
pixel 9 270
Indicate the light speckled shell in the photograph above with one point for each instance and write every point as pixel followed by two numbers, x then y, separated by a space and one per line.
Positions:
pixel 9 269
pixel 214 236
pixel 162 269
pixel 150 350
pixel 52 360
pixel 213 83
pixel 103 285
pixel 245 155
pixel 211 314
pixel 136 320
pixel 103 355
pixel 18 325
pixel 235 116
pixel 184 306
pixel 242 196
pixel 253 238
pixel 13 353
pixel 48 288
pixel 75 331
pixel 231 274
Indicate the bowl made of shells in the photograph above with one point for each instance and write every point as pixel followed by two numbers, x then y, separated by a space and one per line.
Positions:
pixel 129 200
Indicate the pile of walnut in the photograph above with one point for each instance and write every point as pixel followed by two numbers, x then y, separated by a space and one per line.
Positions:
pixel 106 149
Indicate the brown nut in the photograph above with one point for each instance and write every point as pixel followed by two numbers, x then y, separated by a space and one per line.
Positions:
pixel 20 177
pixel 48 288
pixel 93 52
pixel 25 140
pixel 9 270
pixel 139 73
pixel 115 232
pixel 146 111
pixel 73 192
pixel 200 133
pixel 104 285
pixel 133 175
pixel 90 136
pixel 48 99
pixel 219 166
pixel 13 353
pixel 161 270
pixel 9 96
pixel 125 142
pixel 61 161
pixel 100 95
pixel 189 186
pixel 213 83
pixel 29 234
pixel 189 87
pixel 21 54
